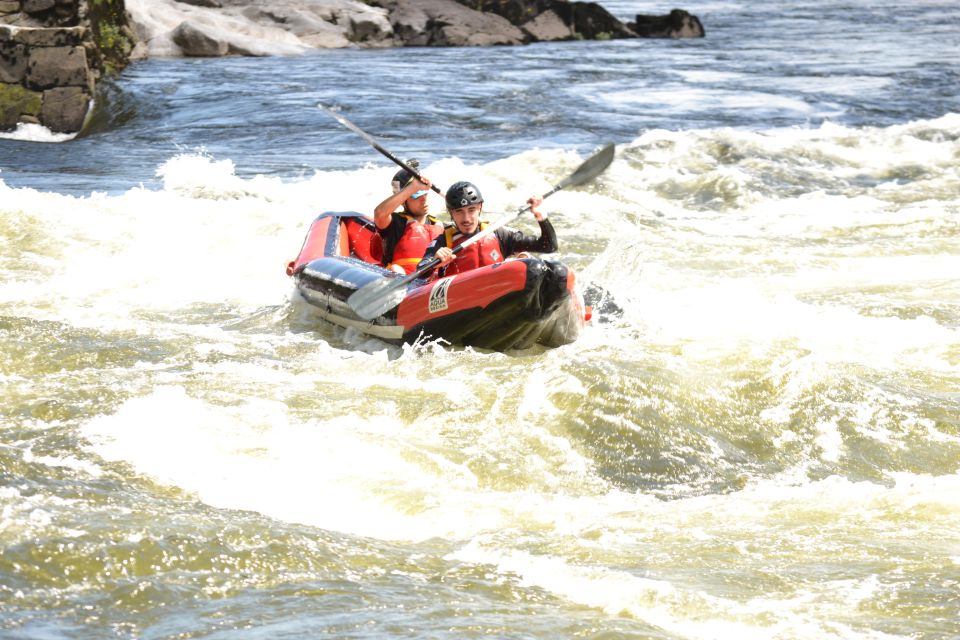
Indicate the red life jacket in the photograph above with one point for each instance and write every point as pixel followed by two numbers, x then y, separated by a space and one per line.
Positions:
pixel 481 253
pixel 411 245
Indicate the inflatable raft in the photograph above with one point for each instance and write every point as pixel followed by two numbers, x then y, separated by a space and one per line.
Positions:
pixel 512 305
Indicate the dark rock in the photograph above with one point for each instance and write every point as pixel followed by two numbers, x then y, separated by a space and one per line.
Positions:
pixel 234 49
pixel 590 21
pixel 586 20
pixel 516 11
pixel 194 42
pixel 64 109
pixel 210 4
pixel 72 7
pixel 50 67
pixel 37 6
pixel 678 24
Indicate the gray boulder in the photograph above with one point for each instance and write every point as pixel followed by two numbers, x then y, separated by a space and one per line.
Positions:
pixel 195 43
pixel 64 109
pixel 248 27
pixel 50 67
pixel 326 26
pixel 448 23
pixel 548 26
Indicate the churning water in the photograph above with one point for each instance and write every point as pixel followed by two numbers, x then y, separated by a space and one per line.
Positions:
pixel 765 443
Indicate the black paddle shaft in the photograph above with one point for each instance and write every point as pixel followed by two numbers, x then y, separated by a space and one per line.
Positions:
pixel 376 145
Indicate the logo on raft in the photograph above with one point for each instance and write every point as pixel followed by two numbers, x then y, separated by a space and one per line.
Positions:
pixel 438 295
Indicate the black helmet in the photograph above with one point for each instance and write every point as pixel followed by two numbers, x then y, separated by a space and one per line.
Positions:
pixel 462 194
pixel 403 177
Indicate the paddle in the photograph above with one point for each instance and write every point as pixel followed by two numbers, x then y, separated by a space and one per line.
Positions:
pixel 378 297
pixel 376 145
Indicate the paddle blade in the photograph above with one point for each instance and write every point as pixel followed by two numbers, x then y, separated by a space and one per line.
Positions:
pixel 590 169
pixel 378 297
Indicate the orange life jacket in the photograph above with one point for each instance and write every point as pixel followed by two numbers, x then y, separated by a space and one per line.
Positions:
pixel 481 253
pixel 411 245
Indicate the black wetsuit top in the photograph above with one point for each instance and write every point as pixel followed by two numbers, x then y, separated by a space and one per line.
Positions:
pixel 511 241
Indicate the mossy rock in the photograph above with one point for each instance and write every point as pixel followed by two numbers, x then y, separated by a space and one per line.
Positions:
pixel 16 101
pixel 111 33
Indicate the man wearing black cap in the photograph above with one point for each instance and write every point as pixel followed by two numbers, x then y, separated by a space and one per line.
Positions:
pixel 405 234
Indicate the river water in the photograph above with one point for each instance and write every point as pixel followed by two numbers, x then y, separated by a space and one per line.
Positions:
pixel 764 443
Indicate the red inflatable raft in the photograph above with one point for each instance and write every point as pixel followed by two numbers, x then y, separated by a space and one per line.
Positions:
pixel 512 305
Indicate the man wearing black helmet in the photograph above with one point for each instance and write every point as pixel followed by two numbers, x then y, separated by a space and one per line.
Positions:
pixel 404 235
pixel 465 204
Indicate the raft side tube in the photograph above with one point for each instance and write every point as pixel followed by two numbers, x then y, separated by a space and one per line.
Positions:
pixel 513 304
pixel 338 233
pixel 471 290
pixel 330 281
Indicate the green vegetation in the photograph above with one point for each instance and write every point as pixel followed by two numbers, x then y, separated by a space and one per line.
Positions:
pixel 107 20
pixel 114 45
pixel 16 101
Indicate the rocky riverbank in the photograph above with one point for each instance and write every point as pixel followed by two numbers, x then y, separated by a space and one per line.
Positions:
pixel 246 27
pixel 53 52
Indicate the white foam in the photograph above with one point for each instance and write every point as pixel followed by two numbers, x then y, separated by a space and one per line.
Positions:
pixel 777 522
pixel 750 267
pixel 64 462
pixel 30 132
pixel 27 516
pixel 257 459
